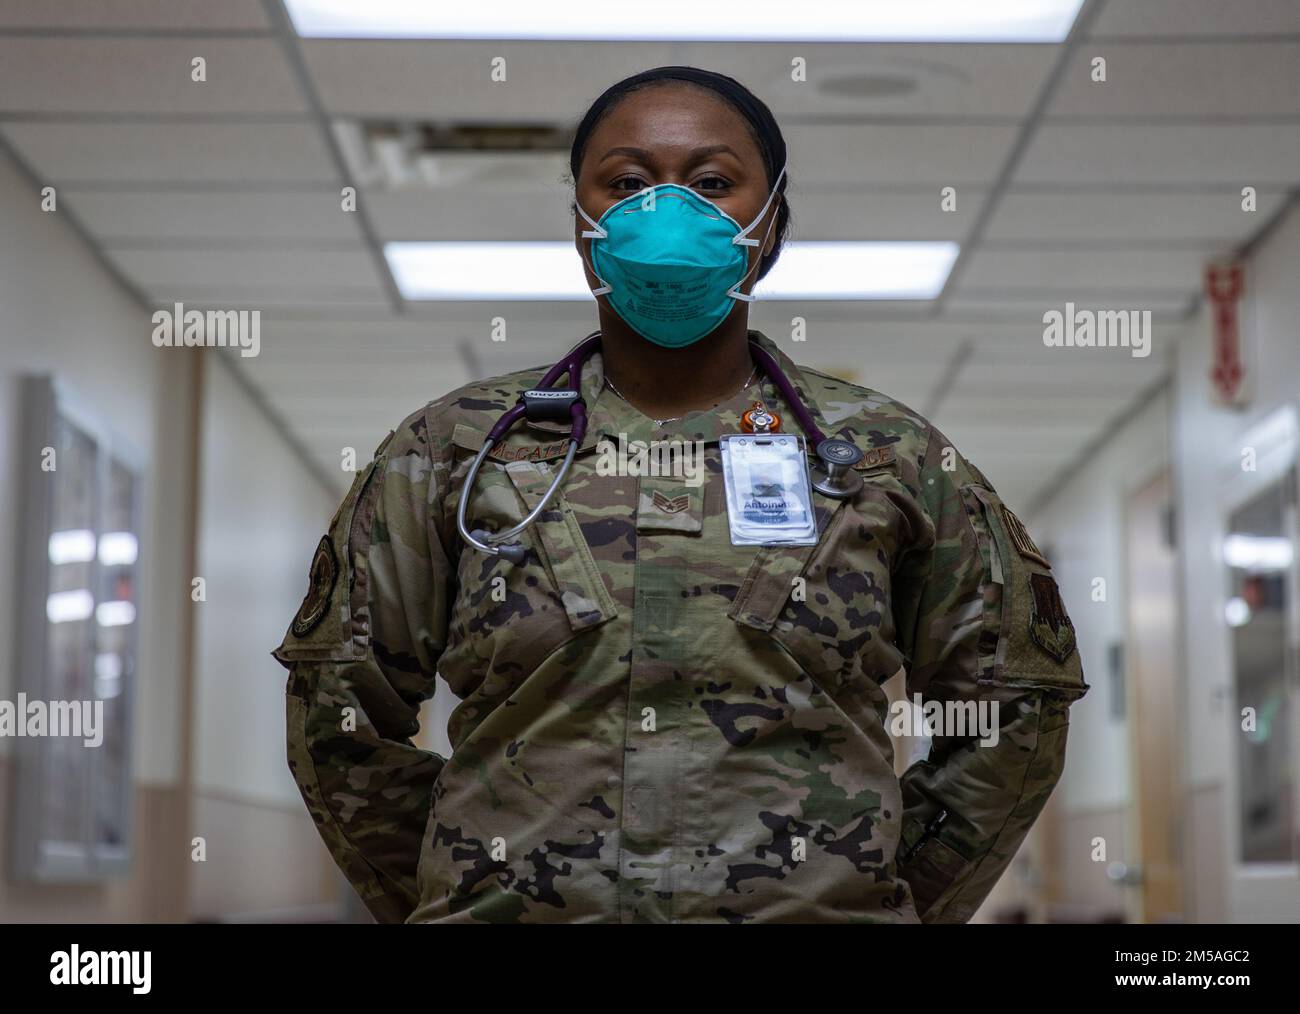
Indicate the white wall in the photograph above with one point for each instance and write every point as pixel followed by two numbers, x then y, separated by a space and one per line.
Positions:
pixel 61 313
pixel 261 513
pixel 1084 526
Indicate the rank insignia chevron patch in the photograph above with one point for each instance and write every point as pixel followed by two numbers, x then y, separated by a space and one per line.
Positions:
pixel 670 505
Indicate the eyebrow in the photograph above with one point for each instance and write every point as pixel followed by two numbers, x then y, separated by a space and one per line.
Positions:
pixel 698 155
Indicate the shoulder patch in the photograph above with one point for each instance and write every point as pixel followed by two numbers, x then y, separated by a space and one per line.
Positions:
pixel 323 576
pixel 1049 626
pixel 1020 537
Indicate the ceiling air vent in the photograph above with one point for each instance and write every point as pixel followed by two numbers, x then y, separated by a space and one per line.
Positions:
pixel 385 154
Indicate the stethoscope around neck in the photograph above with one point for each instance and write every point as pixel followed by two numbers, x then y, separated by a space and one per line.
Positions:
pixel 832 476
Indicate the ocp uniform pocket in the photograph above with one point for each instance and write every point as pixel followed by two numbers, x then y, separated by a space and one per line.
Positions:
pixel 505 617
pixel 830 605
pixel 565 553
pixel 510 484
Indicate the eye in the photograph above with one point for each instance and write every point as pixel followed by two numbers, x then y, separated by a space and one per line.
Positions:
pixel 628 184
pixel 712 183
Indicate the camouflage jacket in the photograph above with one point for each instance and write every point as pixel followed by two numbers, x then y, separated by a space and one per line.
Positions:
pixel 654 724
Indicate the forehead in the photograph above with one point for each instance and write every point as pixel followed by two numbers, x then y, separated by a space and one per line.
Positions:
pixel 674 115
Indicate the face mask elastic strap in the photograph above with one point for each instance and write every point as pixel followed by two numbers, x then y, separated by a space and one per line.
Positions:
pixel 741 237
pixel 604 285
pixel 595 232
pixel 734 292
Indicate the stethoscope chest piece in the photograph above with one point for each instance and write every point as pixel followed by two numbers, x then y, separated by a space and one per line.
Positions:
pixel 834 476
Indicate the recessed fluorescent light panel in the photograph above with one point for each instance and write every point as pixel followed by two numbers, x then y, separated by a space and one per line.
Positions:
pixel 552 271
pixel 859 270
pixel 804 21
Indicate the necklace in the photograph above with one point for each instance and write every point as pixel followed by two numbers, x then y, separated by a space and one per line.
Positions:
pixel 659 422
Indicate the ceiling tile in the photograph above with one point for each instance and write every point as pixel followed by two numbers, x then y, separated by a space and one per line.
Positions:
pixel 1197 18
pixel 115 75
pixel 472 213
pixel 1247 79
pixel 1046 432
pixel 306 301
pixel 1083 408
pixel 337 386
pixel 855 80
pixel 546 82
pixel 120 15
pixel 884 214
pixel 1163 154
pixel 161 269
pixel 1065 271
pixel 1113 369
pixel 940 155
pixel 1029 350
pixel 247 153
pixel 1206 218
pixel 1012 309
pixel 232 215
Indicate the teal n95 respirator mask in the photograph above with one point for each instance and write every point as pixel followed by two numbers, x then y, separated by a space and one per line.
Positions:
pixel 671 263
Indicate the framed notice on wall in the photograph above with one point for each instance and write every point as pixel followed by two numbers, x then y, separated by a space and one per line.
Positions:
pixel 78 601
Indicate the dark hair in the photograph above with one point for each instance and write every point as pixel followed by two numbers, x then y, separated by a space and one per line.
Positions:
pixel 762 125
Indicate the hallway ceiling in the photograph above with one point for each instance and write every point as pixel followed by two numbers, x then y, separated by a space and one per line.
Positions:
pixel 1110 195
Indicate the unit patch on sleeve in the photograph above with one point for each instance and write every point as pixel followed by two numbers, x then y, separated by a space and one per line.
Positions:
pixel 324 574
pixel 1049 626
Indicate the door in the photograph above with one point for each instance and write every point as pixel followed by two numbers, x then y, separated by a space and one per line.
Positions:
pixel 1154 693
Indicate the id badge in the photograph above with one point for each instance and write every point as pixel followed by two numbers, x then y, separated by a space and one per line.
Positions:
pixel 769 501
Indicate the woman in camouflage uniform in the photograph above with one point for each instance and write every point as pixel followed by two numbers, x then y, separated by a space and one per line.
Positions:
pixel 656 724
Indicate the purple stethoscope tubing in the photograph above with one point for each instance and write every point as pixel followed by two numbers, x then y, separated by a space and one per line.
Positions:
pixel 774 373
pixel 498 543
